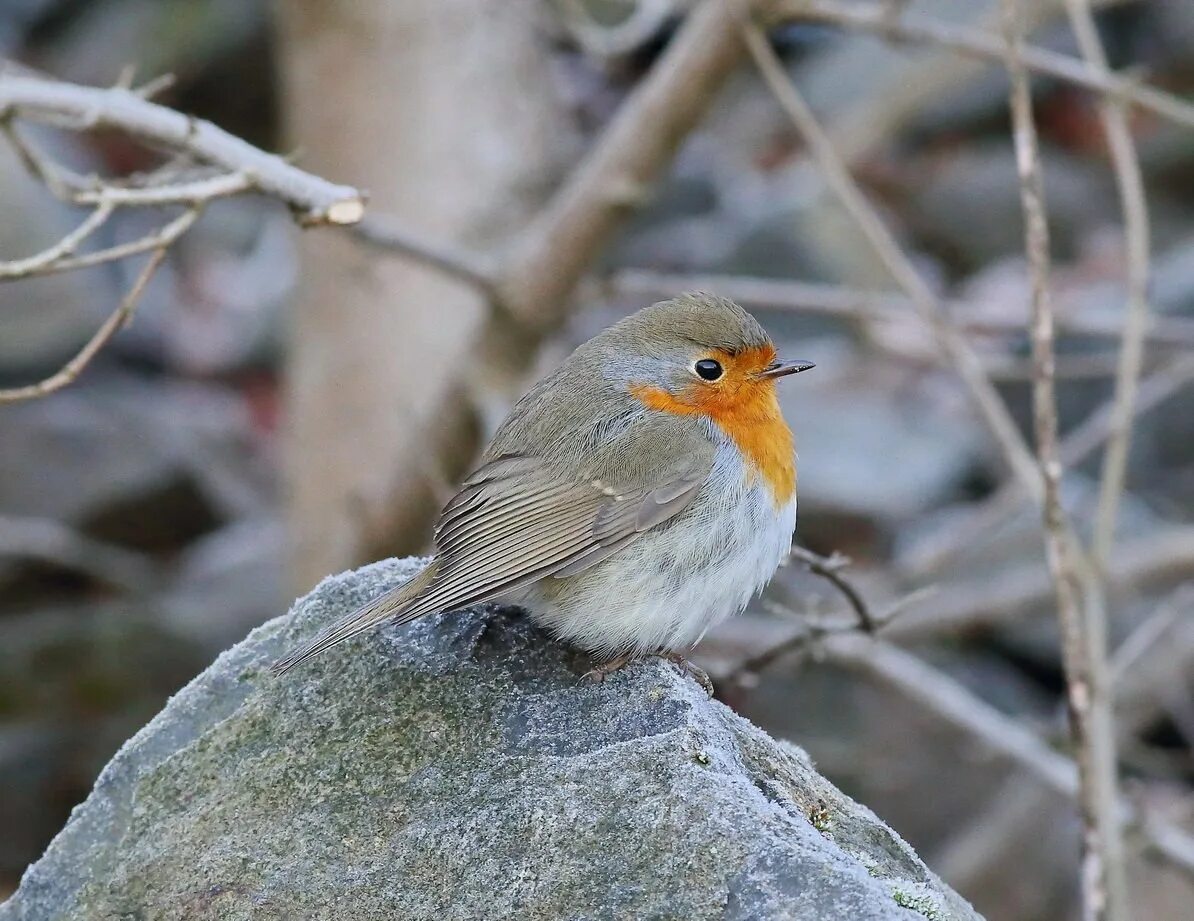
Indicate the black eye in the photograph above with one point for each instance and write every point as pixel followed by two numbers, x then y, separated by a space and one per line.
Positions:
pixel 708 369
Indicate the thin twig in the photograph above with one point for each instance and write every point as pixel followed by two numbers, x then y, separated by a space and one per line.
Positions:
pixel 876 18
pixel 963 359
pixel 316 200
pixel 385 234
pixel 986 518
pixel 841 302
pixel 116 320
pixel 169 232
pixel 198 191
pixel 830 568
pixel 940 694
pixel 1130 183
pixel 1158 557
pixel 1087 695
pixel 64 248
pixel 1151 631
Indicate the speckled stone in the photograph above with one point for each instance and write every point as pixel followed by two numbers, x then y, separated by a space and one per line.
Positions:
pixel 459 769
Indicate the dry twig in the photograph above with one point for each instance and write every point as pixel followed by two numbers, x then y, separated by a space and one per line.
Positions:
pixel 119 318
pixel 1079 612
pixel 840 302
pixel 239 168
pixel 1130 182
pixel 928 306
pixel 830 568
pixel 51 102
pixel 877 18
pixel 986 518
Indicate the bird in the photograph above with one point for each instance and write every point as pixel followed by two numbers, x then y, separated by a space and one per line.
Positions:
pixel 636 496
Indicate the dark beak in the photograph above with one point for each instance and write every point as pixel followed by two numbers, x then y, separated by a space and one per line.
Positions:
pixel 784 368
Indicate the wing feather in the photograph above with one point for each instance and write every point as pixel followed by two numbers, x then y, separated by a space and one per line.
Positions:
pixel 522 521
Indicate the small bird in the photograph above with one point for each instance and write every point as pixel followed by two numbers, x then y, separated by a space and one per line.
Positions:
pixel 639 494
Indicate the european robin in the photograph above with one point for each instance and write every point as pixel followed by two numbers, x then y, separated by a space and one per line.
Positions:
pixel 636 496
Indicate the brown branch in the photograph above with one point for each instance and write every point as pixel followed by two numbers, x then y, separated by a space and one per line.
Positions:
pixel 387 235
pixel 877 18
pixel 1079 611
pixel 1130 183
pixel 840 302
pixel 549 260
pixel 119 318
pixel 316 200
pixel 830 568
pixel 928 306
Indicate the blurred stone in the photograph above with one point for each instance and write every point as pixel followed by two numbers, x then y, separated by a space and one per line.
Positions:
pixel 457 769
pixel 228 582
pixel 966 205
pixel 149 466
pixel 875 448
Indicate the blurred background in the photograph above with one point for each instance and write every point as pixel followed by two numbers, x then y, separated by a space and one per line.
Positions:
pixel 290 404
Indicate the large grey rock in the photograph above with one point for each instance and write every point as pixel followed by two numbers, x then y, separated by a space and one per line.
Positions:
pixel 458 769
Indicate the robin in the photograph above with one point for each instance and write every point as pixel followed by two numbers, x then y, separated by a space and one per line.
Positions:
pixel 636 496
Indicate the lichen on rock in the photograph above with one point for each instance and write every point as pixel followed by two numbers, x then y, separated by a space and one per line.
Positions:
pixel 458 768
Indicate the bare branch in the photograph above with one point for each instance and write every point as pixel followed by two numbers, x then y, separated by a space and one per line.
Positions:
pixel 940 694
pixel 550 259
pixel 116 320
pixel 1130 183
pixel 195 192
pixel 1082 441
pixel 53 255
pixel 829 300
pixel 830 568
pixel 1159 557
pixel 928 306
pixel 385 234
pixel 877 18
pixel 1083 633
pixel 316 200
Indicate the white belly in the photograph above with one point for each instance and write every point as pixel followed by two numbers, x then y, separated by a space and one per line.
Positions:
pixel 666 588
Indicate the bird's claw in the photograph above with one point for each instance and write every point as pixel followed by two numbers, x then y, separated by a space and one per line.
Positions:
pixel 696 673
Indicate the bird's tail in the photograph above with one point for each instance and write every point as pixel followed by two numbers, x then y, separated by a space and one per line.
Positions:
pixel 397 604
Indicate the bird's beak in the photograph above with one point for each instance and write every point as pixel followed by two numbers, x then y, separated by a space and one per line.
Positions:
pixel 784 368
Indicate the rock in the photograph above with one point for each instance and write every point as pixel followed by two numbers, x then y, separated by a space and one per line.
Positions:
pixel 460 769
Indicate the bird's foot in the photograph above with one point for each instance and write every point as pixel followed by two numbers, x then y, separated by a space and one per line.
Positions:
pixel 697 674
pixel 598 672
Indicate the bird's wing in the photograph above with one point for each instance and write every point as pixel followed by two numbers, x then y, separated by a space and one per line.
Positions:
pixel 516 521
pixel 519 518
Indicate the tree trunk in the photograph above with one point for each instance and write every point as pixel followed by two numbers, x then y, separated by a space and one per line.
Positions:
pixel 443 111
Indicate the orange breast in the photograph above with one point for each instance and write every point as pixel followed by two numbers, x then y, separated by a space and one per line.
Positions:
pixel 746 409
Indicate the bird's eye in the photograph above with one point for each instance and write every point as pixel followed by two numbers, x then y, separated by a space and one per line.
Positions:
pixel 708 369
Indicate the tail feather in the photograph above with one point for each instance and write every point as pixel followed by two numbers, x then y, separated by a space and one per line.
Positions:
pixel 398 604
